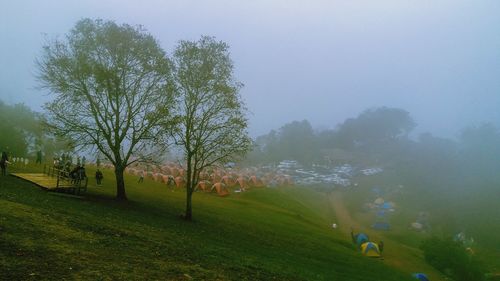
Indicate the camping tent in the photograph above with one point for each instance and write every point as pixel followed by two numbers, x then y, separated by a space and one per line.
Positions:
pixel 420 276
pixel 377 190
pixel 179 182
pixel 203 185
pixel 370 249
pixel 220 188
pixel 386 205
pixel 381 225
pixel 361 238
pixel 417 226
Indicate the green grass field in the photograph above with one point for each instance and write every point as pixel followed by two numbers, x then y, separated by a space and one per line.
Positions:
pixel 263 234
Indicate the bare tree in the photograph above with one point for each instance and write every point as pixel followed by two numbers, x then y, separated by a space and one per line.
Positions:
pixel 211 116
pixel 108 81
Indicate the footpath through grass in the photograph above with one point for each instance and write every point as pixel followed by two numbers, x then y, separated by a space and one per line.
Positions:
pixel 265 234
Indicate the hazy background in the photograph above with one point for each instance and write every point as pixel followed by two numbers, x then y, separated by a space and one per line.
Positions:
pixel 323 61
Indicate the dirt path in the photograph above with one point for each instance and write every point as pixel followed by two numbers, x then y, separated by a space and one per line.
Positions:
pixel 395 254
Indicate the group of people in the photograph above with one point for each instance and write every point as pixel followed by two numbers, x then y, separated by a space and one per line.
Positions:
pixel 77 173
pixel 64 163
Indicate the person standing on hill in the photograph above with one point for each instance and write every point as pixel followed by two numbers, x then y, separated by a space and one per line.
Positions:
pixel 353 237
pixel 141 177
pixel 381 246
pixel 81 172
pixel 98 177
pixel 38 157
pixel 3 163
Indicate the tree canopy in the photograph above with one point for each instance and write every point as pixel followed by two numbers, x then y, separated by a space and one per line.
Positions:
pixel 211 122
pixel 19 129
pixel 108 81
pixel 374 125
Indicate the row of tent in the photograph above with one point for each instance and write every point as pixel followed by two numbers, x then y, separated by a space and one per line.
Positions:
pixel 382 208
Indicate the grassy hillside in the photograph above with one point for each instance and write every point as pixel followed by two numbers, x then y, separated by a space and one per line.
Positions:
pixel 265 234
pixel 475 214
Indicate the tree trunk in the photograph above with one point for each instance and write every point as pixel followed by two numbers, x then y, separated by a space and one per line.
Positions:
pixel 189 191
pixel 189 206
pixel 120 183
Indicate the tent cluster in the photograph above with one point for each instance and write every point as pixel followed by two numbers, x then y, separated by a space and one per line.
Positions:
pixel 218 180
pixel 381 209
pixel 287 172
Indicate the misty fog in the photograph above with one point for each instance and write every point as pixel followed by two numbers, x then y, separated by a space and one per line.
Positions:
pixel 328 118
pixel 323 61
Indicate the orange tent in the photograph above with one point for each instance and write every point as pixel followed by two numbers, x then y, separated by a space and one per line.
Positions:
pixel 157 177
pixel 179 182
pixel 204 185
pixel 256 182
pixel 242 183
pixel 164 179
pixel 204 176
pixel 215 177
pixel 174 171
pixel 227 180
pixel 220 188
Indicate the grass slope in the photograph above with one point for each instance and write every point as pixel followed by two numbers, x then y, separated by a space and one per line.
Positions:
pixel 265 234
pixel 444 218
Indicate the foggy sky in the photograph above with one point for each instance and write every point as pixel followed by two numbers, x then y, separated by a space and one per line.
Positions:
pixel 323 61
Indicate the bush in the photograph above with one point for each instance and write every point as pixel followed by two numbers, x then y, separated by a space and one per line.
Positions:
pixel 452 259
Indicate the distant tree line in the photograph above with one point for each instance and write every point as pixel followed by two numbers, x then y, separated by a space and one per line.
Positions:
pixel 381 135
pixel 375 130
pixel 22 134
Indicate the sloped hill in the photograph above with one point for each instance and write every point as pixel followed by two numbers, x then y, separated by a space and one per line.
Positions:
pixel 264 234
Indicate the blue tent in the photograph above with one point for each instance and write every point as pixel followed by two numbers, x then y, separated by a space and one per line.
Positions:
pixel 381 226
pixel 377 190
pixel 361 238
pixel 386 206
pixel 420 276
pixel 381 213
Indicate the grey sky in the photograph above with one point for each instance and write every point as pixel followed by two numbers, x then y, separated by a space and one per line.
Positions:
pixel 318 60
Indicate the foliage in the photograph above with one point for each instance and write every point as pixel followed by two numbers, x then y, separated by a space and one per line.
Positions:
pixel 377 131
pixel 295 140
pixel 23 133
pixel 479 145
pixel 108 81
pixel 451 258
pixel 374 126
pixel 211 124
pixel 15 125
